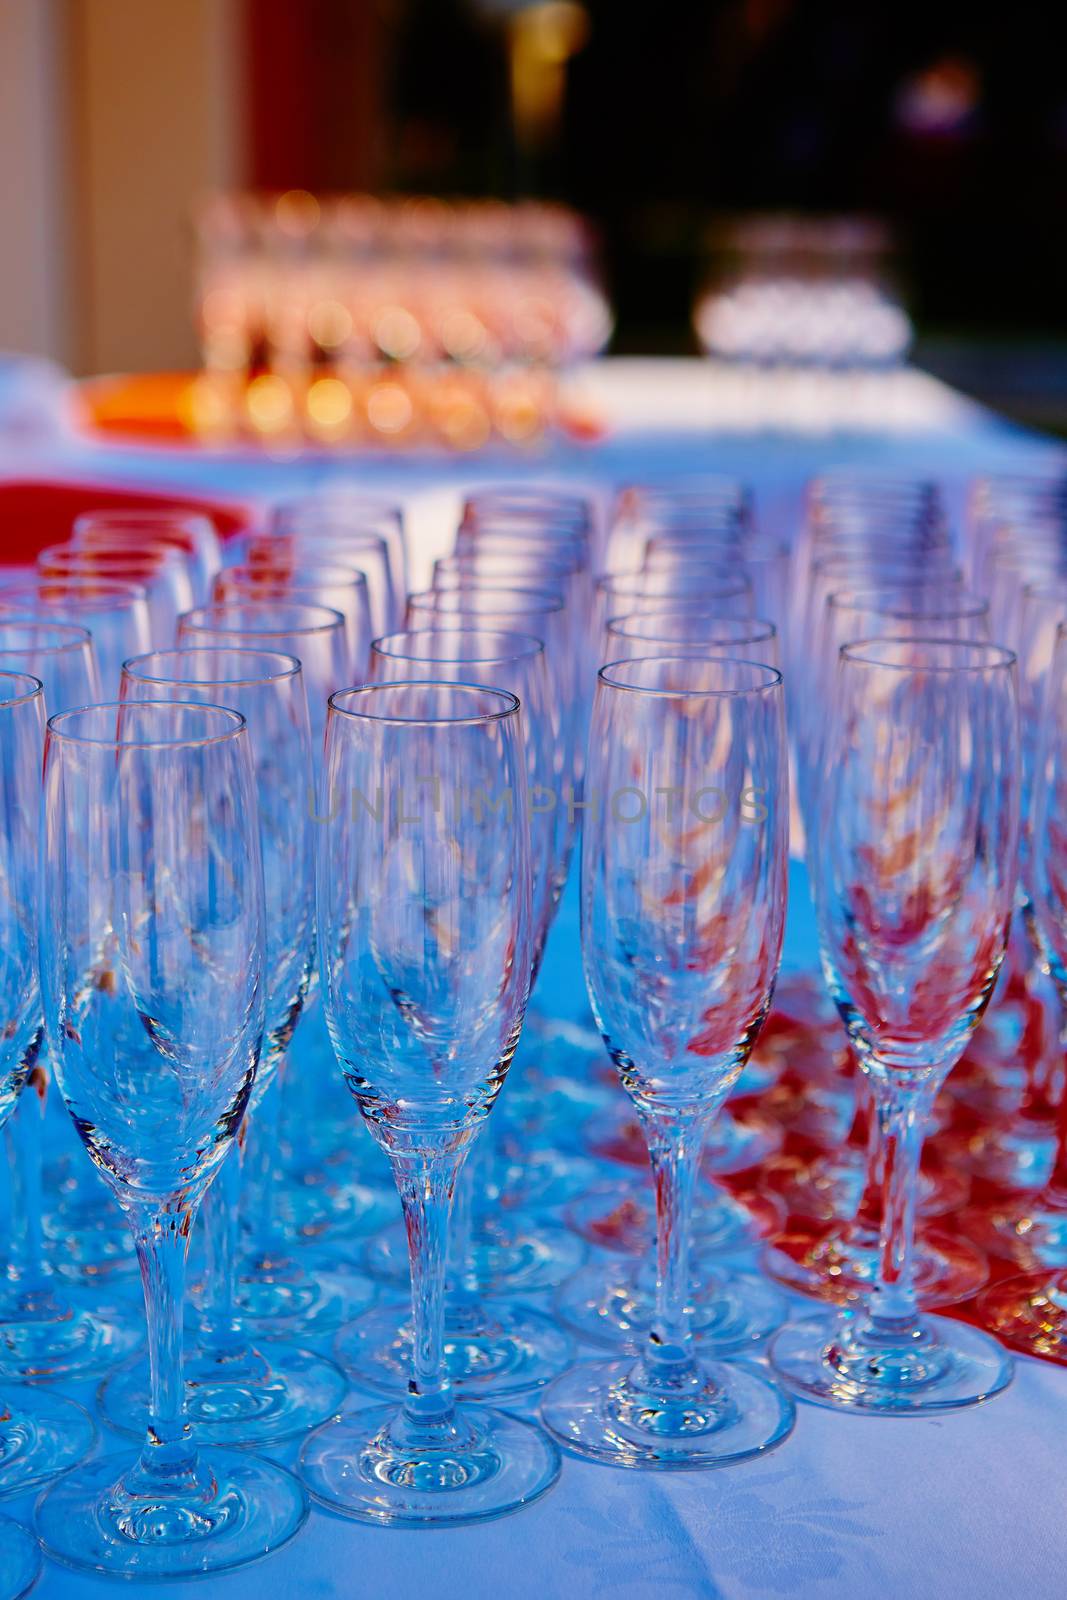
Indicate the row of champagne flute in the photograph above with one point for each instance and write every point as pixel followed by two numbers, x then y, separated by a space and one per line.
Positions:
pixel 107 1510
pixel 47 1434
pixel 581 1421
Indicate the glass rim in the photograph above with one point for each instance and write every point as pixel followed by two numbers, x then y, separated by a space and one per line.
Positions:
pixel 76 554
pixel 306 536
pixel 690 532
pixel 343 577
pixel 25 695
pixel 469 556
pixel 970 605
pixel 750 625
pixel 555 602
pixel 532 646
pixel 822 562
pixel 611 582
pixel 78 583
pixel 131 516
pixel 516 525
pixel 1045 588
pixel 997 655
pixel 291 669
pixel 509 708
pixel 57 731
pixel 772 680
pixel 336 619
pixel 84 637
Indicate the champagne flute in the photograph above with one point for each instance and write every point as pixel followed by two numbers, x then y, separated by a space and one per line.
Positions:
pixel 238 1391
pixel 501 1348
pixel 684 851
pixel 40 1434
pixel 915 863
pixel 315 635
pixel 152 961
pixel 116 614
pixel 425 948
pixel 191 532
pixel 47 1331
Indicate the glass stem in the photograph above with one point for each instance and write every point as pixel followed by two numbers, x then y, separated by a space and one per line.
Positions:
pixel 261 1163
pixel 674 1149
pixel 462 1277
pixel 29 1267
pixel 162 1240
pixel 220 1322
pixel 426 1183
pixel 1056 1188
pixel 869 1213
pixel 893 1310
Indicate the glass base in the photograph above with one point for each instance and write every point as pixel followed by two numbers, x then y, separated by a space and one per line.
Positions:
pixel 612 1303
pixel 239 1509
pixel 835 1360
pixel 713 1415
pixel 280 1296
pixel 90 1244
pixel 41 1435
pixel 820 1113
pixel 1029 1312
pixel 613 1219
pixel 1028 1232
pixel 521 1256
pixel 334 1210
pixel 486 1464
pixel 1019 1157
pixel 256 1397
pixel 546 1179
pixel 58 1338
pixel 20 1560
pixel 491 1351
pixel 518 1257
pixel 841 1264
pixel 831 1185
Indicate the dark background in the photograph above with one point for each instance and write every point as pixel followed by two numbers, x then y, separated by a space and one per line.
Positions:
pixel 948 120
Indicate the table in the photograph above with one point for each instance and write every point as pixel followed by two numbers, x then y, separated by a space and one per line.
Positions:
pixel 970 1503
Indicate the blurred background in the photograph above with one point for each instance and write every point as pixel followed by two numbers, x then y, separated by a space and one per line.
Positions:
pixel 663 123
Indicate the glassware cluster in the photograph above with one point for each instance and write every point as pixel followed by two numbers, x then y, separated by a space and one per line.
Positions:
pixel 366 320
pixel 304 824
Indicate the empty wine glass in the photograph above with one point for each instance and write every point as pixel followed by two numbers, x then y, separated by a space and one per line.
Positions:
pixel 362 550
pixel 191 532
pixel 684 851
pixel 1027 1310
pixel 340 588
pixel 691 633
pixel 47 1331
pixel 152 960
pixel 914 861
pixel 116 615
pixel 337 511
pixel 237 1391
pixel 315 635
pixel 491 1349
pixel 160 571
pixel 40 1434
pixel 425 949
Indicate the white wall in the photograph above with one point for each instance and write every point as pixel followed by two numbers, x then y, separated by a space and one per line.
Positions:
pixel 115 115
pixel 35 309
